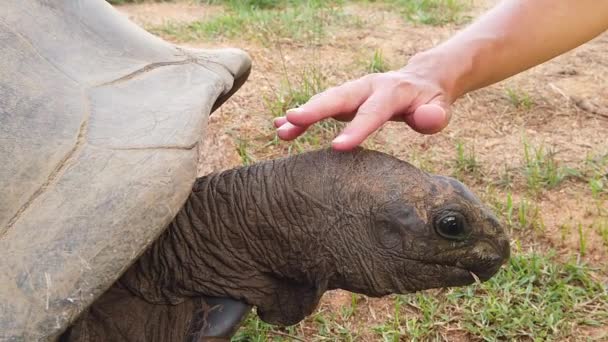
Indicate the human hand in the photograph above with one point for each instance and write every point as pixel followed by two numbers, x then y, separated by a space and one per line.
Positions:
pixel 486 52
pixel 368 103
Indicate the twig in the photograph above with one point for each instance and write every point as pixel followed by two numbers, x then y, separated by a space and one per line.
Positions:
pixel 286 335
pixel 589 107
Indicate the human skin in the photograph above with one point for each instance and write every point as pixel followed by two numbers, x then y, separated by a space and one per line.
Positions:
pixel 510 38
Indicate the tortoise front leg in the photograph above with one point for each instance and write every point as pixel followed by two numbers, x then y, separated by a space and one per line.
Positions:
pixel 118 315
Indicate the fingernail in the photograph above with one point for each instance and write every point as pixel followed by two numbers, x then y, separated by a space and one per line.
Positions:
pixel 340 139
pixel 286 126
pixel 293 111
pixel 444 114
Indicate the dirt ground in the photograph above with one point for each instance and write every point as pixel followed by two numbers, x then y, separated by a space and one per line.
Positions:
pixel 561 105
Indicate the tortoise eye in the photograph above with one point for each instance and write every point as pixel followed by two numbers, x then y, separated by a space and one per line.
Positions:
pixel 451 226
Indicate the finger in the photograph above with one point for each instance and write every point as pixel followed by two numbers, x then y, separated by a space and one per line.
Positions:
pixel 289 131
pixel 280 121
pixel 337 101
pixel 371 115
pixel 429 118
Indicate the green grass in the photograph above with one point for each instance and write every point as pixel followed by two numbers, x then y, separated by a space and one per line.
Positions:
pixel 377 63
pixel 595 170
pixel 602 228
pixel 421 324
pixel 221 26
pixel 433 12
pixel 332 328
pixel 429 12
pixel 466 163
pixel 254 4
pixel 582 240
pixel 542 170
pixel 268 22
pixel 506 178
pixel 121 2
pixel 519 214
pixel 255 330
pixel 529 216
pixel 243 149
pixel 598 186
pixel 522 215
pixel 391 330
pixel 520 99
pixel 322 325
pixel 348 311
pixel 295 90
pixel 535 297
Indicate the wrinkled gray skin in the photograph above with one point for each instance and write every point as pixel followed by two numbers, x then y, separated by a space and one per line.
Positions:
pixel 279 234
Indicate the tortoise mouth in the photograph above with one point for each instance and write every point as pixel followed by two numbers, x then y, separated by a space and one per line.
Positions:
pixel 456 275
pixel 485 266
pixel 429 276
pixel 445 276
pixel 473 267
pixel 484 272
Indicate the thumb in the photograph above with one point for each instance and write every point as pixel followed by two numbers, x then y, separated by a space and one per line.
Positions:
pixel 429 118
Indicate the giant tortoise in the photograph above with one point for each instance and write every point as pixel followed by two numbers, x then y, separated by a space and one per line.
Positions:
pixel 107 235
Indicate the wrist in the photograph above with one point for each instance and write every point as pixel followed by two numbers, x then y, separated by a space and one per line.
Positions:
pixel 448 71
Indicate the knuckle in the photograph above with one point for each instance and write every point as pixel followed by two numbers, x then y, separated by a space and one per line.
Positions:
pixel 402 83
pixel 342 95
pixel 392 81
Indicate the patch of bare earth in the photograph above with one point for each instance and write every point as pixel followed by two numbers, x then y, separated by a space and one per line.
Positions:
pixel 569 114
pixel 158 13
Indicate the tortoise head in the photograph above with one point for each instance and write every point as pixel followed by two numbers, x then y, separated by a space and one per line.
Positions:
pixel 370 223
pixel 404 230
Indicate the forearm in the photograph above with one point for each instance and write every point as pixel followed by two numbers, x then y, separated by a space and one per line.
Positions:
pixel 510 38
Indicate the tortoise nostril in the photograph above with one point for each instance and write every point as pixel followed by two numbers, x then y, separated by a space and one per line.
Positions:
pixel 498 251
pixel 486 251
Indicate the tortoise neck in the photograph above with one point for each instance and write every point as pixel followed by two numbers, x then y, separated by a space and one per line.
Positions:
pixel 241 233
